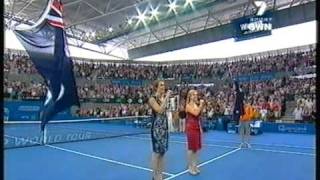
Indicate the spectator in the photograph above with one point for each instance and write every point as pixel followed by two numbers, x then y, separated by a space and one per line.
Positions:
pixel 298 113
pixel 17 64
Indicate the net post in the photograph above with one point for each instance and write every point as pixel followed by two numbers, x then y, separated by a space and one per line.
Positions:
pixel 44 135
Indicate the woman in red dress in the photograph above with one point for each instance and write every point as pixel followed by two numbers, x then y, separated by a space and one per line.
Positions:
pixel 193 129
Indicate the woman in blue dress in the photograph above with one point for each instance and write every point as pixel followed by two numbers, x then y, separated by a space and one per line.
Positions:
pixel 159 128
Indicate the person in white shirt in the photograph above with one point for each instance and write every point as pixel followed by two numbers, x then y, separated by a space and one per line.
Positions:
pixel 298 114
pixel 210 114
pixel 309 105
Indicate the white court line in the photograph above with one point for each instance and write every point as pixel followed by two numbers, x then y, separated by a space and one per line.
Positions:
pixel 255 149
pixel 182 142
pixel 75 120
pixel 213 145
pixel 96 157
pixel 104 159
pixel 204 163
pixel 261 144
pixel 279 151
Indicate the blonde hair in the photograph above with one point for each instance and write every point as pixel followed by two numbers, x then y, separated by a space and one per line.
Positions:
pixel 155 85
pixel 189 95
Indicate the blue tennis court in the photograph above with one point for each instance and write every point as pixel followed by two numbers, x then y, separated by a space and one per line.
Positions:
pixel 272 156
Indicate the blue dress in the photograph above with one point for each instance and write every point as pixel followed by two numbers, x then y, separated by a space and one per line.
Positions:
pixel 238 106
pixel 159 131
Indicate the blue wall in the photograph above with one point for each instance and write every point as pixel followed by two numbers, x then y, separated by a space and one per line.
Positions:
pixel 128 82
pixel 220 124
pixel 29 111
pixel 288 128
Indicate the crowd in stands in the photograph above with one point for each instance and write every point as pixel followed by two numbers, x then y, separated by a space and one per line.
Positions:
pixel 115 110
pixel 18 64
pixel 110 91
pixel 23 90
pixel 291 62
pixel 305 109
pixel 268 97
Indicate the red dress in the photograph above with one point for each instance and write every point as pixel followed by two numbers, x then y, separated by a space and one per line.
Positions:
pixel 193 132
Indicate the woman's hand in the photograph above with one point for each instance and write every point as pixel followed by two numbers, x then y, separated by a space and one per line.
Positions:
pixel 168 94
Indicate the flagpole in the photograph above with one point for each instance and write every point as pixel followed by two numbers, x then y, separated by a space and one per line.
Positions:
pixel 44 135
pixel 43 128
pixel 43 16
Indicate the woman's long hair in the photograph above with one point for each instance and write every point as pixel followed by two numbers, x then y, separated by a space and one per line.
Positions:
pixel 188 96
pixel 237 86
pixel 183 103
pixel 155 86
pixel 186 99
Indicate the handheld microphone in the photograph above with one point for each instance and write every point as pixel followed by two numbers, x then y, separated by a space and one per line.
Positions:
pixel 172 93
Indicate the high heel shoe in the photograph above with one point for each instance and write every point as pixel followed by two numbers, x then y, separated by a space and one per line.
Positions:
pixel 197 170
pixel 192 172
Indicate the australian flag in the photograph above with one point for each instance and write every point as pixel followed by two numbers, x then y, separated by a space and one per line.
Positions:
pixel 47 48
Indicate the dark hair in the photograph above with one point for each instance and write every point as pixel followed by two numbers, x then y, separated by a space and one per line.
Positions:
pixel 251 101
pixel 236 84
pixel 182 112
pixel 186 96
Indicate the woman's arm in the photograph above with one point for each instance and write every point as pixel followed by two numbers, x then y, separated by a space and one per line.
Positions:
pixel 159 108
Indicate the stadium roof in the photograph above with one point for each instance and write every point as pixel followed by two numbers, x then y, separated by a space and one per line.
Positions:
pixel 130 24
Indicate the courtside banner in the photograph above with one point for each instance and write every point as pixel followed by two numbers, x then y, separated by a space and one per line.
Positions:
pixel 300 128
pixel 252 26
pixel 29 111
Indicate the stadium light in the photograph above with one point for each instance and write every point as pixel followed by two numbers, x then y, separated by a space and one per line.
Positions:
pixel 189 3
pixel 154 12
pixel 130 21
pixel 172 6
pixel 141 17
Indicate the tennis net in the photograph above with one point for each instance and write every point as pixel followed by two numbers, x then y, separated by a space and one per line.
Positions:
pixel 28 133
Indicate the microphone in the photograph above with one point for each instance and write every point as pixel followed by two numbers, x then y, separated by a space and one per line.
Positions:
pixel 172 101
pixel 172 93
